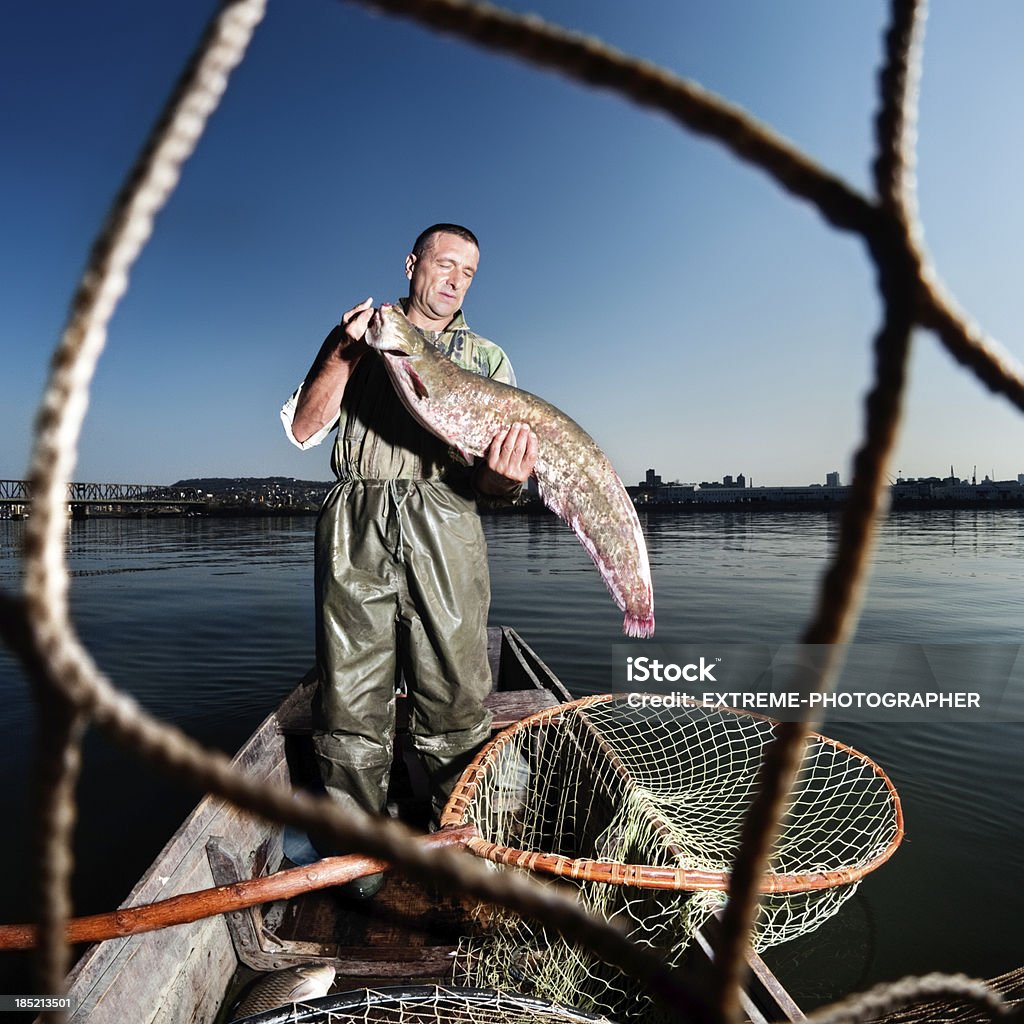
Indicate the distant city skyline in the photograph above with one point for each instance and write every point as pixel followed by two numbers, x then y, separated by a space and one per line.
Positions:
pixel 670 299
pixel 832 478
pixel 919 492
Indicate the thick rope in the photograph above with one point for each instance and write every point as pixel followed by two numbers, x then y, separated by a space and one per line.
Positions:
pixel 954 1006
pixel 967 343
pixel 909 291
pixel 57 430
pixel 843 586
pixel 58 763
pixel 884 999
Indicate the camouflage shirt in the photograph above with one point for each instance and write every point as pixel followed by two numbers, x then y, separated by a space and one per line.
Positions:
pixel 377 437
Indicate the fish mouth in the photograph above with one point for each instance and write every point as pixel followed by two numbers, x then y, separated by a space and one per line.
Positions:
pixel 376 334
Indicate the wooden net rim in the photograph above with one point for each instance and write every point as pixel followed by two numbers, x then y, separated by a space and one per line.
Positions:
pixel 649 876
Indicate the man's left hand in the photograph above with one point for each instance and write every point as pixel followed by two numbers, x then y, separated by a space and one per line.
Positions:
pixel 509 461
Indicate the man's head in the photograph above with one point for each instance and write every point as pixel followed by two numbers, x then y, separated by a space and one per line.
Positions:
pixel 440 270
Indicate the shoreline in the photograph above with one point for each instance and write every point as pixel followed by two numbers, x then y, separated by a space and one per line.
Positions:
pixel 538 508
pixel 531 508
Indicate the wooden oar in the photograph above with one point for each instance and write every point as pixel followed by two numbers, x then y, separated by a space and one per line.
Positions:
pixel 193 906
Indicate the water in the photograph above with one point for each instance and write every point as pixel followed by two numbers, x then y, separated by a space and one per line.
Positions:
pixel 208 622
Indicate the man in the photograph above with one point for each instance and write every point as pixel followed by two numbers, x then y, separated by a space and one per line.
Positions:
pixel 402 586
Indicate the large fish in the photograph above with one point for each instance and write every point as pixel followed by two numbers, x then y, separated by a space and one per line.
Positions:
pixel 289 985
pixel 574 477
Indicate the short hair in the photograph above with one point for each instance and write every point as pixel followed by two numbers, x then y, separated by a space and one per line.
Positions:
pixel 426 236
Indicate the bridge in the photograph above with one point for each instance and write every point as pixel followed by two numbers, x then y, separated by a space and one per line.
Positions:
pixel 16 497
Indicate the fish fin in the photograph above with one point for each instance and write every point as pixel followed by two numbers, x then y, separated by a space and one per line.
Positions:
pixel 417 382
pixel 634 625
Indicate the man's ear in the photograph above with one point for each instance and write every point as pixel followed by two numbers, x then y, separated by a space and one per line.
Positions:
pixel 410 262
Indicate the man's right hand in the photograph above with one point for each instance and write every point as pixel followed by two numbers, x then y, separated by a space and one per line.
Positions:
pixel 322 391
pixel 353 326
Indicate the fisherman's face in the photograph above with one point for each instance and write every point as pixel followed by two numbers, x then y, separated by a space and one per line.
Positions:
pixel 439 280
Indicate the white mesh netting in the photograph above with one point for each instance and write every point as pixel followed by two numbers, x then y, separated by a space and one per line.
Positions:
pixel 642 808
pixel 426 1004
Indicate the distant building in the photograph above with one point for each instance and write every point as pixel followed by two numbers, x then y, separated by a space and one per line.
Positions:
pixel 676 492
pixel 906 490
pixel 733 491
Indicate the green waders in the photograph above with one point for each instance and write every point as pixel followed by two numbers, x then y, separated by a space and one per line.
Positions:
pixel 402 590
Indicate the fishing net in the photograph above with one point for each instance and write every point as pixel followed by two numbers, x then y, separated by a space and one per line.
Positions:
pixel 641 808
pixel 1010 986
pixel 425 1004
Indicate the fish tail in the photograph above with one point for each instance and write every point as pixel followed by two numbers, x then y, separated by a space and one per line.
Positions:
pixel 637 625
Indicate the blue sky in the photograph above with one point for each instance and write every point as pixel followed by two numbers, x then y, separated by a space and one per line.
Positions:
pixel 675 302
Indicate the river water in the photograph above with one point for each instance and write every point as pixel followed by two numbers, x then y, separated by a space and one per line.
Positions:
pixel 208 622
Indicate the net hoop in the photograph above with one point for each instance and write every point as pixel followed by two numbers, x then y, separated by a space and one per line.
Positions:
pixel 648 876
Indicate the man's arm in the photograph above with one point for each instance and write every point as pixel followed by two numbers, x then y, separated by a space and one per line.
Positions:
pixel 319 401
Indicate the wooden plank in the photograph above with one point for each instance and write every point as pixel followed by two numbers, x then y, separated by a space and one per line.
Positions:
pixel 522 669
pixel 763 996
pixel 105 981
pixel 198 987
pixel 509 707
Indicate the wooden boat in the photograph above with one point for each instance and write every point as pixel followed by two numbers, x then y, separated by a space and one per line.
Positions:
pixel 406 935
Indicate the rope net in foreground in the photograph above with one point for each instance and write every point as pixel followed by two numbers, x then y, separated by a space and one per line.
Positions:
pixel 948 1010
pixel 642 808
pixel 39 626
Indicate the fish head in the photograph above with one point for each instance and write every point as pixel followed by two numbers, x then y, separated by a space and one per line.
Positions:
pixel 300 983
pixel 391 334
pixel 310 977
pixel 401 346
